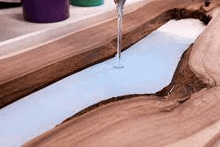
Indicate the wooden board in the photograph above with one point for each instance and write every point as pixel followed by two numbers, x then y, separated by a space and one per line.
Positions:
pixel 185 113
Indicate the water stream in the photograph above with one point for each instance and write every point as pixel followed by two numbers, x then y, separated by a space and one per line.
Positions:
pixel 120 9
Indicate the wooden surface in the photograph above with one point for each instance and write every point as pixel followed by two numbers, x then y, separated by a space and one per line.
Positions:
pixel 185 113
pixel 34 69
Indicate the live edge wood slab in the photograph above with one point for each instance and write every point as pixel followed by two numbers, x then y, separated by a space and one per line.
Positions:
pixel 32 70
pixel 185 113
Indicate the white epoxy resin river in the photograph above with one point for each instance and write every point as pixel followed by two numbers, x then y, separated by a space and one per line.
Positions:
pixel 148 67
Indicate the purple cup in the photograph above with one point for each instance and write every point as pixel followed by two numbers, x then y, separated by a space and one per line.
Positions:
pixel 45 11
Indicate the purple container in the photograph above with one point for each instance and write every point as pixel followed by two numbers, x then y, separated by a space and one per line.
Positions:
pixel 45 11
